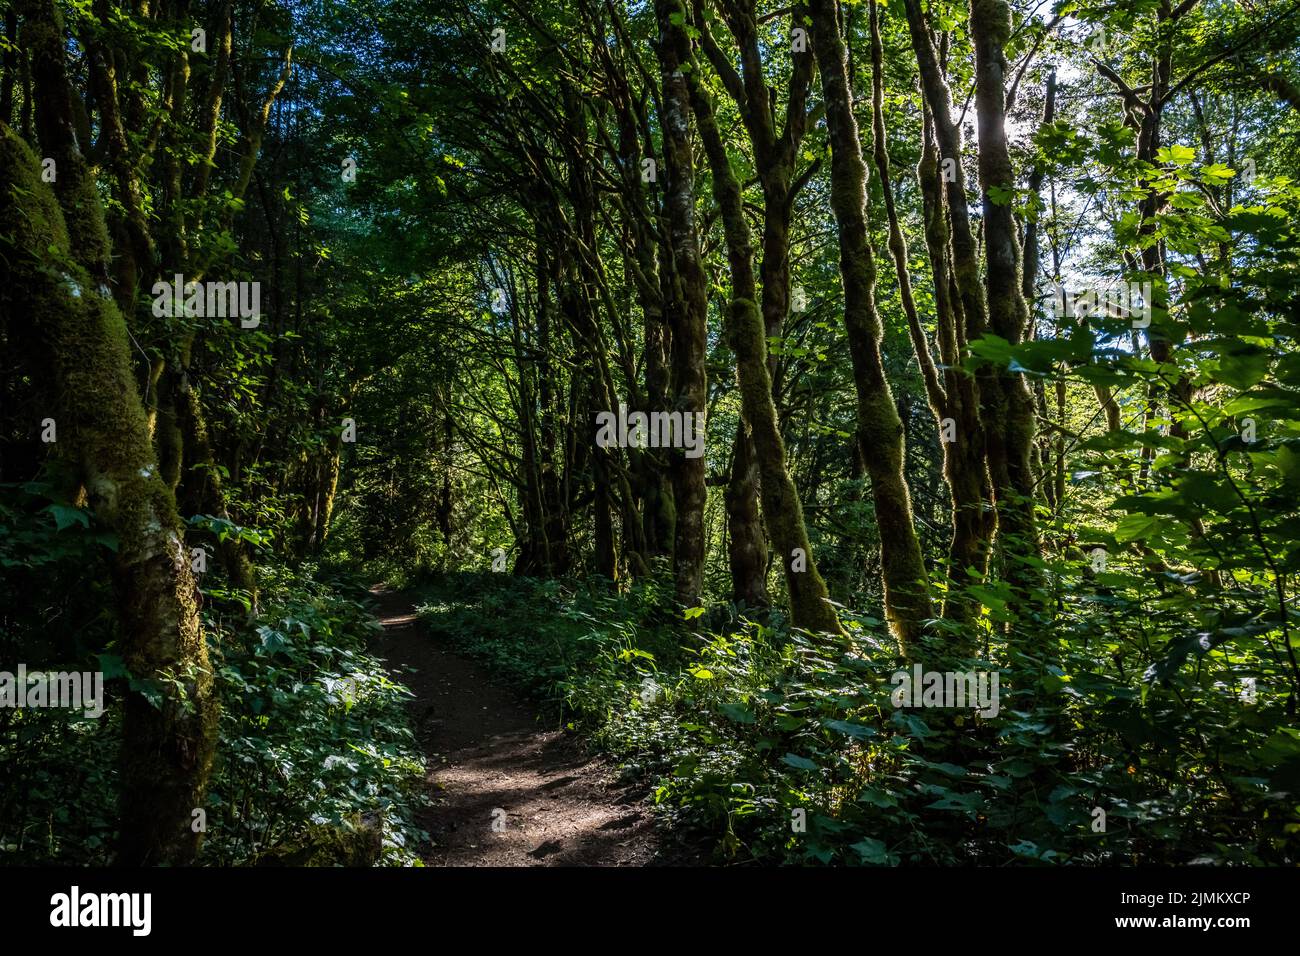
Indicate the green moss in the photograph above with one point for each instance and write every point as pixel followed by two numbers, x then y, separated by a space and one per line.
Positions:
pixel 995 15
pixel 104 431
pixel 782 511
pixel 85 226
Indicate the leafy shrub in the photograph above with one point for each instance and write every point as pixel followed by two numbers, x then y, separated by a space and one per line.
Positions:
pixel 786 746
pixel 313 734
pixel 313 731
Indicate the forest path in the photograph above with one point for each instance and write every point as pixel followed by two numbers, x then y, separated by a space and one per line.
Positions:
pixel 490 763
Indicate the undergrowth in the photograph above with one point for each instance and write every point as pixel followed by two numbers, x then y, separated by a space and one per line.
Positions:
pixel 781 746
pixel 314 738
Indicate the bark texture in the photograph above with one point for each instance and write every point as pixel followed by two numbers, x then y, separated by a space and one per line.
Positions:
pixel 880 430
pixel 167 747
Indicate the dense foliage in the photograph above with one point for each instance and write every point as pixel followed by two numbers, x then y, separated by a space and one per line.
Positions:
pixel 317 763
pixel 742 731
pixel 988 310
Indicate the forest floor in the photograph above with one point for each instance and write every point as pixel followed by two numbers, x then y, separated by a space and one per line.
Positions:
pixel 489 764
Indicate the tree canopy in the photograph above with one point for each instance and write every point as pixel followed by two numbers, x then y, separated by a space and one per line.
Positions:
pixel 718 371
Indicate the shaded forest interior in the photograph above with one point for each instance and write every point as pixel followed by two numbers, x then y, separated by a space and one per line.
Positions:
pixel 874 427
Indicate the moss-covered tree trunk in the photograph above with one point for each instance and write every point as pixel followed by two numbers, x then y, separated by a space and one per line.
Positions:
pixel 576 310
pixel 963 446
pixel 642 253
pixel 177 421
pixel 782 512
pixel 612 488
pixel 209 497
pixel 168 744
pixel 952 392
pixel 747 542
pixel 951 241
pixel 1009 424
pixel 776 149
pixel 686 308
pixel 555 503
pixel 907 594
pixel 184 450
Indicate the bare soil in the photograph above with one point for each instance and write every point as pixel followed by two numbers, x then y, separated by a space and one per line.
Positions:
pixel 504 791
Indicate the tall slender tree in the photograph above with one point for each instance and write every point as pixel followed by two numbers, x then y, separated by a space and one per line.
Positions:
pixel 880 430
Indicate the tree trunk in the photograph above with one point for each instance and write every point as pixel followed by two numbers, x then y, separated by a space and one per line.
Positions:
pixel 747 545
pixel 775 155
pixel 809 600
pixel 167 748
pixel 954 400
pixel 687 310
pixel 907 595
pixel 963 456
pixel 1009 418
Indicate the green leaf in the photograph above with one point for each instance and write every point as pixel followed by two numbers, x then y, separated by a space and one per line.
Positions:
pixel 149 690
pixel 111 666
pixel 1176 155
pixel 1135 527
pixel 273 641
pixel 800 763
pixel 872 851
pixel 1245 368
pixel 851 729
pixel 66 516
pixel 738 712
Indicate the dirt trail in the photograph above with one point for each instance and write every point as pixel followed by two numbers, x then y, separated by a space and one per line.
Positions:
pixel 490 762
